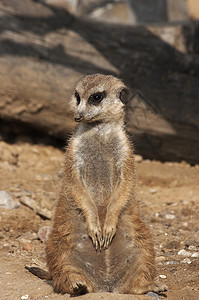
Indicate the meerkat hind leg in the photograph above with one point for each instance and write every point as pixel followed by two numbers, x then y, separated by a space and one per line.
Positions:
pixel 76 285
pixel 153 287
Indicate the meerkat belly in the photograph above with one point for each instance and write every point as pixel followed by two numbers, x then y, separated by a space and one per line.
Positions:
pixel 105 267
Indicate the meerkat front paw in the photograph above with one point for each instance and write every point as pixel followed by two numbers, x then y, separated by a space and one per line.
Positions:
pixel 94 231
pixel 109 231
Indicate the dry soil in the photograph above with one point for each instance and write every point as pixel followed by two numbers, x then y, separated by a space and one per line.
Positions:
pixel 169 201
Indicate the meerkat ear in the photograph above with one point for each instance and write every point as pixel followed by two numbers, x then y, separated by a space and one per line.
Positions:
pixel 124 95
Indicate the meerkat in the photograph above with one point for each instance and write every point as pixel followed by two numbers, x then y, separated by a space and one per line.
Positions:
pixel 99 242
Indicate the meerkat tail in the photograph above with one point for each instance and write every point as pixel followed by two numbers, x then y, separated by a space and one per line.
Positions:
pixel 42 274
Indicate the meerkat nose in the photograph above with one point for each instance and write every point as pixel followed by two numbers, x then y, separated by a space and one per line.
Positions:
pixel 78 117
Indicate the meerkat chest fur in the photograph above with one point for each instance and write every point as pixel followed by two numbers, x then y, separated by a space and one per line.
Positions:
pixel 100 152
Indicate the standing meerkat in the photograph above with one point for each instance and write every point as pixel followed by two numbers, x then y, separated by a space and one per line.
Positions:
pixel 98 242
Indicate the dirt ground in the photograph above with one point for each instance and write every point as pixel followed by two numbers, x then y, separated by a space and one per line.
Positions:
pixel 169 201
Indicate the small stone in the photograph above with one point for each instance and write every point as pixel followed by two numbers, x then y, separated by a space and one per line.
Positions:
pixel 25 297
pixel 184 253
pixel 153 191
pixel 7 202
pixel 163 276
pixel 27 247
pixel 44 233
pixel 173 262
pixel 192 248
pixel 186 261
pixel 185 224
pixel 169 217
pixel 195 254
pixel 27 237
pixel 160 259
pixel 153 295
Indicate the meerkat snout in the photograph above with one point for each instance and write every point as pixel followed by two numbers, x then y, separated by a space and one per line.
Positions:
pixel 78 117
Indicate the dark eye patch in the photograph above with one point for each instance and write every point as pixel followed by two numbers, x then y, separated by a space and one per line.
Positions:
pixel 96 98
pixel 77 96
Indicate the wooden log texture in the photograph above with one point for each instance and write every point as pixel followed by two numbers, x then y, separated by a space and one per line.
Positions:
pixel 44 50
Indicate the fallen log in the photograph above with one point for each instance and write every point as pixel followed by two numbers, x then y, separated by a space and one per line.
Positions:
pixel 44 50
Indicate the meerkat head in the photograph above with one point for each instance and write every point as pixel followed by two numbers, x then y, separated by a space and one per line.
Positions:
pixel 99 97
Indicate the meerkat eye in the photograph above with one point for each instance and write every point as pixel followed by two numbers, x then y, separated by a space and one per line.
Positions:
pixel 77 96
pixel 96 98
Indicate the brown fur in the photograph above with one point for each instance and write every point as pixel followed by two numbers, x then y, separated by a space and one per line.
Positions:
pixel 98 242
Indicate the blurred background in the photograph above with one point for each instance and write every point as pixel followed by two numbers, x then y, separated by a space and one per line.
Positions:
pixel 152 45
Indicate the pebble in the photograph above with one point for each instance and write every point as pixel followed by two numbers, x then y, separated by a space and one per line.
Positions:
pixel 195 254
pixel 169 217
pixel 192 248
pixel 184 253
pixel 27 247
pixel 25 297
pixel 172 262
pixel 163 276
pixel 27 237
pixel 44 233
pixel 153 191
pixel 7 202
pixel 153 295
pixel 160 259
pixel 186 261
pixel 185 224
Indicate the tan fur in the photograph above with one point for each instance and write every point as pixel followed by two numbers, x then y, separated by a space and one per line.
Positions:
pixel 98 242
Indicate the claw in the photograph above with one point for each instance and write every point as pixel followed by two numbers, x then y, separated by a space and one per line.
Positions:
pixel 108 237
pixel 96 238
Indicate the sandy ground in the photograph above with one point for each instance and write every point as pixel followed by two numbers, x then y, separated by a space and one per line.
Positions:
pixel 169 201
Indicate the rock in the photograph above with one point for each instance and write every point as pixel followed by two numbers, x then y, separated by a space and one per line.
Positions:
pixel 185 224
pixel 195 254
pixel 44 232
pixel 160 259
pixel 27 237
pixel 163 276
pixel 153 295
pixel 186 261
pixel 192 248
pixel 153 191
pixel 169 217
pixel 27 247
pixel 184 253
pixel 7 202
pixel 25 297
pixel 31 203
pixel 172 262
